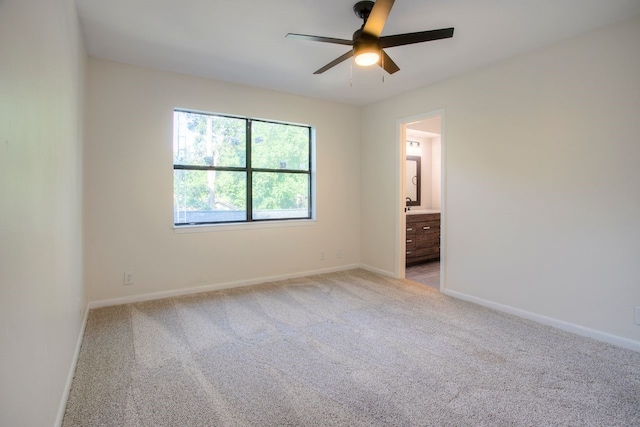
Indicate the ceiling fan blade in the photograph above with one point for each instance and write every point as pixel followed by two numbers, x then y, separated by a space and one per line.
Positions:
pixel 419 37
pixel 335 62
pixel 378 17
pixel 388 64
pixel 320 39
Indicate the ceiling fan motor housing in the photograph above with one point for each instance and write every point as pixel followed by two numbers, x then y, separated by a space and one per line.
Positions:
pixel 362 38
pixel 363 42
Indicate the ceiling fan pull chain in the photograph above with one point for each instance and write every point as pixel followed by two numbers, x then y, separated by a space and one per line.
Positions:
pixel 351 75
pixel 382 62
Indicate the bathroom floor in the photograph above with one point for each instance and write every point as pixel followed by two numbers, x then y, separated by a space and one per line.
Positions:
pixel 427 273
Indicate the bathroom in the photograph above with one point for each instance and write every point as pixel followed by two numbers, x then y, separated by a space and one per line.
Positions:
pixel 423 200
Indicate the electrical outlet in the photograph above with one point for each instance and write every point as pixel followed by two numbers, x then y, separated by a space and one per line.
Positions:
pixel 128 278
pixel 322 256
pixel 338 253
pixel 637 315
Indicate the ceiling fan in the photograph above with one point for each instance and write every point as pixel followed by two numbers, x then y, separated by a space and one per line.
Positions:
pixel 367 42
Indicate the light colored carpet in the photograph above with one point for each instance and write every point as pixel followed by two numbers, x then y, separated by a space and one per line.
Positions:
pixel 351 349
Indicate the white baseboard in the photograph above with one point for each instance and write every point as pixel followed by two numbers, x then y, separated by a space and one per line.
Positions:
pixel 72 370
pixel 379 271
pixel 213 287
pixel 560 324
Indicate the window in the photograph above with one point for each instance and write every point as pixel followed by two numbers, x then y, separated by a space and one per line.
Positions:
pixel 232 169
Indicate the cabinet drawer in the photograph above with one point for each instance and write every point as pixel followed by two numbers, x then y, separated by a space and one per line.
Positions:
pixel 411 244
pixel 423 217
pixel 426 226
pixel 411 253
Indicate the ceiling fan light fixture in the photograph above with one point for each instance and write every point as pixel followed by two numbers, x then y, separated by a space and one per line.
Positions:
pixel 367 59
pixel 366 54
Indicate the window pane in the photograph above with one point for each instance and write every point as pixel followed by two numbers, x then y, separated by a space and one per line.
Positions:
pixel 280 195
pixel 205 140
pixel 278 146
pixel 209 196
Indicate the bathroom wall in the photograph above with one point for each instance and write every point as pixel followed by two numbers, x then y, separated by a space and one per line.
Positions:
pixel 430 180
pixel 436 172
pixel 424 152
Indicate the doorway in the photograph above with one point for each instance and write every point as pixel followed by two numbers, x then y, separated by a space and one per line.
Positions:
pixel 420 257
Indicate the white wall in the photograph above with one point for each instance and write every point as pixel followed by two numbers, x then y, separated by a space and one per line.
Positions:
pixel 542 194
pixel 129 186
pixel 41 290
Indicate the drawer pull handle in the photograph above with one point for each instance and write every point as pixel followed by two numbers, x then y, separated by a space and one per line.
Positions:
pixel 426 228
pixel 409 229
pixel 408 252
pixel 409 241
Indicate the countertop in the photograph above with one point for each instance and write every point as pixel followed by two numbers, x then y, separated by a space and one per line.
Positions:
pixel 422 211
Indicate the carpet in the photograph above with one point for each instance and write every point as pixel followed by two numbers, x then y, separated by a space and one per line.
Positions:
pixel 342 349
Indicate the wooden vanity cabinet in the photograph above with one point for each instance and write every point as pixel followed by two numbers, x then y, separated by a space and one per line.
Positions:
pixel 423 237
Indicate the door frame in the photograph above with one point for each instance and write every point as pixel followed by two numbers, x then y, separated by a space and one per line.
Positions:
pixel 401 223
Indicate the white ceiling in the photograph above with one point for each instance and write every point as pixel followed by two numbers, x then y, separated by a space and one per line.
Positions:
pixel 429 126
pixel 243 41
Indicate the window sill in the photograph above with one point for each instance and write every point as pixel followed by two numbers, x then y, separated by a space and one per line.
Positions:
pixel 207 228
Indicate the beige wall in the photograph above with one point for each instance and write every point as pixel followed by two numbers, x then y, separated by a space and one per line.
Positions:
pixel 41 290
pixel 542 194
pixel 129 187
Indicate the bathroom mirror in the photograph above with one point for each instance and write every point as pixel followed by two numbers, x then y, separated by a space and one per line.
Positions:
pixel 413 181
